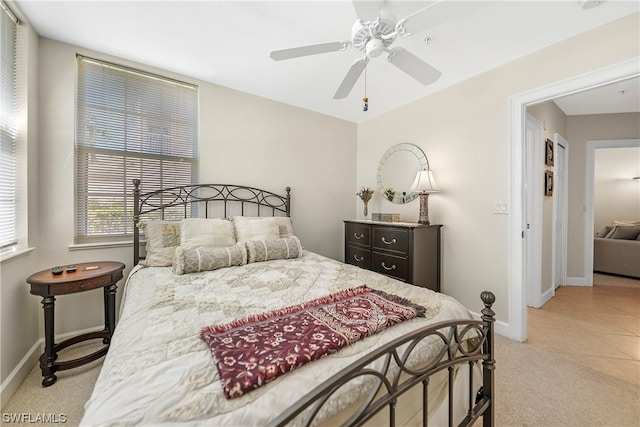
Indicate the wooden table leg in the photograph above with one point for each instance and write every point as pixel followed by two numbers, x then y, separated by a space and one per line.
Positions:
pixel 47 361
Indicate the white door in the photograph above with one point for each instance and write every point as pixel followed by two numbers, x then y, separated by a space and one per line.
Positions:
pixel 560 210
pixel 533 193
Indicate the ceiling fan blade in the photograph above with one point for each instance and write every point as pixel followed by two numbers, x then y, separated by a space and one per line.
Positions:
pixel 314 49
pixel 351 78
pixel 367 10
pixel 414 66
pixel 435 14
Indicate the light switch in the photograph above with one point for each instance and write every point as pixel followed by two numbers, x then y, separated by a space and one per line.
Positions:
pixel 500 208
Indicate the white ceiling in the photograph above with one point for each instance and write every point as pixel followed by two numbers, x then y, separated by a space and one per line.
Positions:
pixel 619 97
pixel 228 42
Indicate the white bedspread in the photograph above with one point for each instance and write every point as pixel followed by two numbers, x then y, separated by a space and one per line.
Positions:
pixel 158 370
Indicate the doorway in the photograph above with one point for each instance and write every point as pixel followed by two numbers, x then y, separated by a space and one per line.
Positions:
pixel 592 146
pixel 519 256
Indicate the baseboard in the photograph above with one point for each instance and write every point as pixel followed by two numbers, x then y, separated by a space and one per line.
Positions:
pixel 20 372
pixel 546 296
pixel 499 327
pixel 576 281
pixel 26 364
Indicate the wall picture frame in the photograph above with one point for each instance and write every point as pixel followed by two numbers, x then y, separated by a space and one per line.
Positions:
pixel 548 183
pixel 549 153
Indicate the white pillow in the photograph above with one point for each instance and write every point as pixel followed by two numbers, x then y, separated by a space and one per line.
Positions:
pixel 285 227
pixel 256 229
pixel 197 232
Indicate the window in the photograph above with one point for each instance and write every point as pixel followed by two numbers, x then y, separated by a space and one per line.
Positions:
pixel 8 131
pixel 130 124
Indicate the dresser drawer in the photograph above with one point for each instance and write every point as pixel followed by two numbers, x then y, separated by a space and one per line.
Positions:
pixel 359 257
pixel 359 234
pixel 83 285
pixel 390 265
pixel 391 239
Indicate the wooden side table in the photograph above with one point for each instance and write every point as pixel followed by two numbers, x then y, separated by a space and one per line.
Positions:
pixel 91 275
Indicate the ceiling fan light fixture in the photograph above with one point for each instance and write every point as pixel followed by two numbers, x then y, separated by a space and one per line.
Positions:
pixel 374 48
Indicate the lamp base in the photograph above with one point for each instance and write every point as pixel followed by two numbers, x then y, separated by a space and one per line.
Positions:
pixel 424 209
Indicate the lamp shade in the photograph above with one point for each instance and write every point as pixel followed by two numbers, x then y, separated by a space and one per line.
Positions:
pixel 424 182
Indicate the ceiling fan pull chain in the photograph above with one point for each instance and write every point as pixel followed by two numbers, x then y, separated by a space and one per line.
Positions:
pixel 365 100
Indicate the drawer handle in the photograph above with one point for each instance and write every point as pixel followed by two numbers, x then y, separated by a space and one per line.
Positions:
pixel 386 242
pixel 358 236
pixel 393 267
pixel 358 259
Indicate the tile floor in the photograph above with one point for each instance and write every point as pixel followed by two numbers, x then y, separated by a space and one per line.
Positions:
pixel 597 326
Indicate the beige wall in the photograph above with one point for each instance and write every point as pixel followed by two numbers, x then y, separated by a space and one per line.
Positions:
pixel 271 145
pixel 465 132
pixel 581 130
pixel 616 195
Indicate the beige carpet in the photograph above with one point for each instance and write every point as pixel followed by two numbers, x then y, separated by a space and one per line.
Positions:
pixel 536 388
pixel 63 402
pixel 533 388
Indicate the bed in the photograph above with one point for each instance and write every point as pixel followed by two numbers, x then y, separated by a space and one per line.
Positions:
pixel 160 371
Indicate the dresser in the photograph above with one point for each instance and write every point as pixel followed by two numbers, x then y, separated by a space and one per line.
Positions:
pixel 406 251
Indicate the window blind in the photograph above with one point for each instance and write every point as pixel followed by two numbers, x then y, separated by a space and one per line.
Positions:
pixel 8 130
pixel 130 124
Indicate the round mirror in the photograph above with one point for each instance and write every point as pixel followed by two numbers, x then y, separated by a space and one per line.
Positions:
pixel 397 171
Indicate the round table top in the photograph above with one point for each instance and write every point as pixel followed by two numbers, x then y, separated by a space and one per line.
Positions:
pixel 85 270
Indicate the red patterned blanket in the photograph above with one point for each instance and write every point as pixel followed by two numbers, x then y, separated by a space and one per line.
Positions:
pixel 253 351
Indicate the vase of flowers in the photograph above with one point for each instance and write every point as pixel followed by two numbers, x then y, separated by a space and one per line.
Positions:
pixel 365 194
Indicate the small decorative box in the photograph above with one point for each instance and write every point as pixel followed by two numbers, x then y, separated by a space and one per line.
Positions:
pixel 385 217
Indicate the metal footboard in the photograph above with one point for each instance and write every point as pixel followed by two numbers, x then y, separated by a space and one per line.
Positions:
pixel 464 342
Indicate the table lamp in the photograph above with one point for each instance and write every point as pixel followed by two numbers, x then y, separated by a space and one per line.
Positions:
pixel 424 184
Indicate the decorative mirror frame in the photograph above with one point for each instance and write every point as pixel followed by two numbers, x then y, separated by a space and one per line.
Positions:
pixel 424 165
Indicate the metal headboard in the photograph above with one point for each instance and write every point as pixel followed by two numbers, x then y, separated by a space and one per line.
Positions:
pixel 181 201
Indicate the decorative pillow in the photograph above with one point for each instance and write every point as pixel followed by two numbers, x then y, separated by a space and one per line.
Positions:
pixel 624 232
pixel 207 258
pixel 604 231
pixel 256 229
pixel 285 227
pixel 163 237
pixel 266 250
pixel 196 232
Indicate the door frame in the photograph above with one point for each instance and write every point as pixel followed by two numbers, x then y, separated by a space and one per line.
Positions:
pixel 563 206
pixel 517 262
pixel 592 146
pixel 532 184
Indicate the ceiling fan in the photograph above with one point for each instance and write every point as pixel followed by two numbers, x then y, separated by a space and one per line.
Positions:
pixel 373 33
